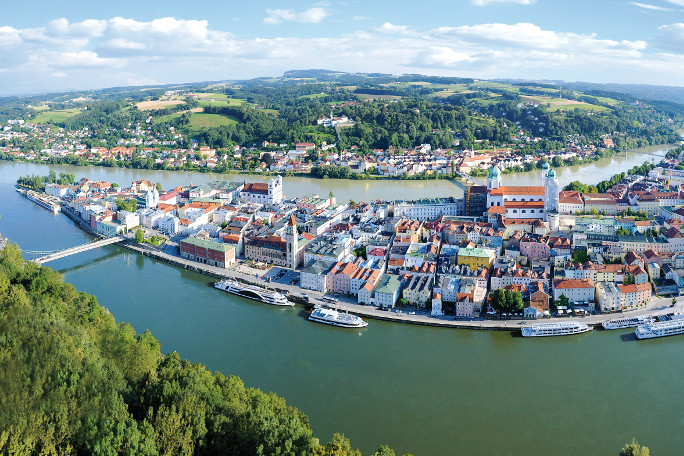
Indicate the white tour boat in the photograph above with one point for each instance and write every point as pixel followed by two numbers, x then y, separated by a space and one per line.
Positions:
pixel 660 329
pixel 620 323
pixel 253 292
pixel 335 318
pixel 561 328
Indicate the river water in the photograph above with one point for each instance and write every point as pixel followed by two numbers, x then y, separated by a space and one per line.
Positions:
pixel 430 391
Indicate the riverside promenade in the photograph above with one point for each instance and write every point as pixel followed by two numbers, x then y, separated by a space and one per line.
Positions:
pixel 237 271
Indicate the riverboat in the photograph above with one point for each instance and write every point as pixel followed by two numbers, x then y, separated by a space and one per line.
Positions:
pixel 44 203
pixel 660 329
pixel 561 328
pixel 253 292
pixel 335 318
pixel 619 323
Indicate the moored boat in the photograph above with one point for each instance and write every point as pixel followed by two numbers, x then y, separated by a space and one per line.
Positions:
pixel 561 328
pixel 619 323
pixel 253 292
pixel 660 329
pixel 335 318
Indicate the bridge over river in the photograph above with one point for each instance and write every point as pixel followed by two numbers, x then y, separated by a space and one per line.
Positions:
pixel 46 256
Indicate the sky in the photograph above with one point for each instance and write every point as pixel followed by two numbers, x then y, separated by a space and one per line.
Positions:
pixel 88 44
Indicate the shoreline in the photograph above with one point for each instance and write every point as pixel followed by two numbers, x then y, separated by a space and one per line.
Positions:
pixel 656 307
pixel 353 177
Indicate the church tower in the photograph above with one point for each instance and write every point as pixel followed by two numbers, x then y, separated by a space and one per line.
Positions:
pixel 292 240
pixel 494 178
pixel 550 192
pixel 545 171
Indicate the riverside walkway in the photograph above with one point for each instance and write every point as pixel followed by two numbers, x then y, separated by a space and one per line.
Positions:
pixel 347 304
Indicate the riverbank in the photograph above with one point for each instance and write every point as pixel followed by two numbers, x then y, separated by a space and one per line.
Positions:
pixel 655 307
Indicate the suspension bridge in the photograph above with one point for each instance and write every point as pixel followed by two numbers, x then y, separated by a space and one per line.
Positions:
pixel 46 256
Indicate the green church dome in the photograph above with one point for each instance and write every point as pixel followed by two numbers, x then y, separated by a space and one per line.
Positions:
pixel 494 172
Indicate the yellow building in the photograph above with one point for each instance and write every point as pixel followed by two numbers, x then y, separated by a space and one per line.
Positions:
pixel 476 258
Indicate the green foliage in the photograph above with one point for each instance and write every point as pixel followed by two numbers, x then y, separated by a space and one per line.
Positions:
pixel 506 301
pixel 130 205
pixel 563 301
pixel 74 382
pixel 580 256
pixel 580 187
pixel 139 236
pixel 338 446
pixel 634 449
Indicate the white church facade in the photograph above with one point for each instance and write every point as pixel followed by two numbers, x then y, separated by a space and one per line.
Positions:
pixel 522 202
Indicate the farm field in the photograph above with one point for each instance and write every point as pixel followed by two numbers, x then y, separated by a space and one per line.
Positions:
pixel 55 116
pixel 201 120
pixel 157 104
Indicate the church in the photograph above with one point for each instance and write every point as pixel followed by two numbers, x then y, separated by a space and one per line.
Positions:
pixel 522 202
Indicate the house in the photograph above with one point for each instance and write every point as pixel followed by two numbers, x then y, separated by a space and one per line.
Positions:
pixel 609 297
pixel 313 275
pixel 476 258
pixel 418 290
pixel 387 291
pixel 634 295
pixel 578 291
pixel 538 304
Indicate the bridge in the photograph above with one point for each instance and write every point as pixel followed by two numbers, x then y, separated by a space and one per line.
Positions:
pixel 468 178
pixel 45 256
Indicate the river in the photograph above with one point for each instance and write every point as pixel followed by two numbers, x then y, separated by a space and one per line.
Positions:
pixel 428 391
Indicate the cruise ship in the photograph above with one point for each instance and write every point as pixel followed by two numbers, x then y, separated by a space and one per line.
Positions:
pixel 253 292
pixel 335 318
pixel 620 323
pixel 43 202
pixel 660 329
pixel 561 328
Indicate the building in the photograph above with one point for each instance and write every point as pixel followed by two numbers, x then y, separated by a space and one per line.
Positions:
pixel 609 297
pixel 313 275
pixel 207 251
pixel 418 290
pixel 476 258
pixel 634 295
pixel 522 202
pixel 476 200
pixel 268 194
pixel 578 291
pixel 387 291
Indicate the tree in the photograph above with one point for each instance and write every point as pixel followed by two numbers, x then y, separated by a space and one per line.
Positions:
pixel 115 185
pixel 159 186
pixel 563 301
pixel 634 449
pixel 497 299
pixel 580 256
pixel 139 236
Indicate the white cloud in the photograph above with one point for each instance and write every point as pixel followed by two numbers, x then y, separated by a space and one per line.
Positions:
pixel 121 51
pixel 650 7
pixel 676 2
pixel 489 2
pixel 310 16
pixel 390 28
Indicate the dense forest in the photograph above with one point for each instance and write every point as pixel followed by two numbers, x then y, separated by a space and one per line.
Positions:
pixel 73 381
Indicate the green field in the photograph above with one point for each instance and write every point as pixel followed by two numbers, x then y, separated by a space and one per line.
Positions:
pixel 200 120
pixel 222 102
pixel 55 116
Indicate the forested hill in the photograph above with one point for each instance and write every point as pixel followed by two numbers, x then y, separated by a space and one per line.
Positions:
pixel 386 111
pixel 74 382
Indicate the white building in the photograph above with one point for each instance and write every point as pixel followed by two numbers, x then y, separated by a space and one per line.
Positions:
pixel 268 194
pixel 169 224
pixel 128 219
pixel 149 218
pixel 608 297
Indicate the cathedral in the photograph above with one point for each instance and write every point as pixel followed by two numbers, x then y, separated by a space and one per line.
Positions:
pixel 522 202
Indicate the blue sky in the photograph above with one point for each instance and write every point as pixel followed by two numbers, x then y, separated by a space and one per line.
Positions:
pixel 80 44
